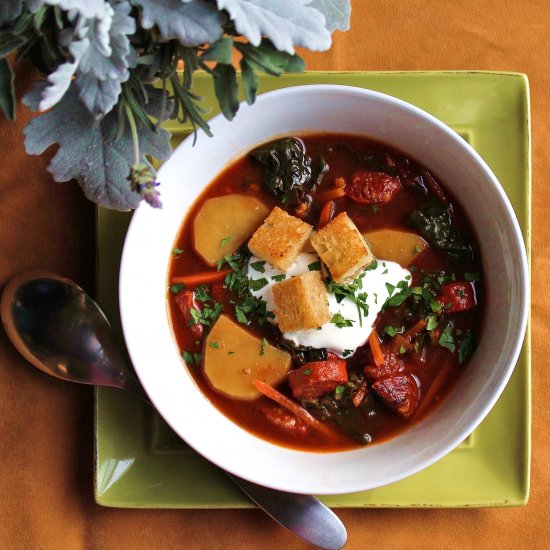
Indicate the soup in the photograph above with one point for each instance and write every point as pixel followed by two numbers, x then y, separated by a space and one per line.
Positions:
pixel 325 292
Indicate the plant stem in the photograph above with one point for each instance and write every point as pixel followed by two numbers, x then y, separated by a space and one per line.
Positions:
pixel 133 128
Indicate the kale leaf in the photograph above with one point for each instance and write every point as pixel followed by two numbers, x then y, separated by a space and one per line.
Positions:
pixel 288 168
pixel 434 222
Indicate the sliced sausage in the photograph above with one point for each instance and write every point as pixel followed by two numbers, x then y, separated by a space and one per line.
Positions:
pixel 460 295
pixel 400 393
pixel 372 187
pixel 282 419
pixel 317 378
pixel 393 364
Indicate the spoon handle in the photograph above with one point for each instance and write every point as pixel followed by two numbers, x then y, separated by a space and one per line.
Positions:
pixel 303 515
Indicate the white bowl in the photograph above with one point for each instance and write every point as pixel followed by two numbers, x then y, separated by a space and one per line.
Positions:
pixel 143 282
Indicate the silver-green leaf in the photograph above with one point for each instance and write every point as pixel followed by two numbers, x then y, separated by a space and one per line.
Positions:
pixel 337 13
pixel 9 10
pixel 287 23
pixel 89 9
pixel 192 22
pixel 91 151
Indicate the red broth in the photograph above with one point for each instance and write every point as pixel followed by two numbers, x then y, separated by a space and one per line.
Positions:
pixel 434 360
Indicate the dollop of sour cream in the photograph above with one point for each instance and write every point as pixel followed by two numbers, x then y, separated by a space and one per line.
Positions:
pixel 379 284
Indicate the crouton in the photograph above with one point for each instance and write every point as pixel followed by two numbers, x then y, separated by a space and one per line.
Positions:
pixel 301 302
pixel 280 239
pixel 343 249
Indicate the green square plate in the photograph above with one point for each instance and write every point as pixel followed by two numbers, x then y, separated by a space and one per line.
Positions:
pixel 141 463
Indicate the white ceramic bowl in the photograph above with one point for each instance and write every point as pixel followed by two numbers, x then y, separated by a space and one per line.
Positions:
pixel 143 281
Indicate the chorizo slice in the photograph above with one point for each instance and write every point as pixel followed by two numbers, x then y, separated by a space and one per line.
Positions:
pixel 400 393
pixel 372 187
pixel 186 302
pixel 282 419
pixel 459 296
pixel 393 365
pixel 317 378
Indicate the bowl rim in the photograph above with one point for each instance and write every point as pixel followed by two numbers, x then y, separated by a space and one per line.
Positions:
pixel 511 219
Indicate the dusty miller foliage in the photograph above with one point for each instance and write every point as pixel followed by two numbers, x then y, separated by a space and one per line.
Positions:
pixel 110 75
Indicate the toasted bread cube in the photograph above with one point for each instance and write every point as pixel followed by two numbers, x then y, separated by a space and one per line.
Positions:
pixel 301 302
pixel 343 249
pixel 280 239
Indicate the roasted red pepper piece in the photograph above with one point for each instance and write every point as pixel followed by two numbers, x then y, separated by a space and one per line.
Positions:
pixel 282 419
pixel 317 378
pixel 372 187
pixel 399 392
pixel 461 296
pixel 186 301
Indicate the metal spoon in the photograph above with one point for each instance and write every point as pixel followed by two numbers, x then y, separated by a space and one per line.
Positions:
pixel 58 328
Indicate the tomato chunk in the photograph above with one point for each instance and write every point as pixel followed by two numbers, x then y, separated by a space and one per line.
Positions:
pixel 372 187
pixel 400 393
pixel 186 302
pixel 461 296
pixel 282 419
pixel 317 378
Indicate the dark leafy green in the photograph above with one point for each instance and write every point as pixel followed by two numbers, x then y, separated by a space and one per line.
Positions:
pixel 288 168
pixel 434 222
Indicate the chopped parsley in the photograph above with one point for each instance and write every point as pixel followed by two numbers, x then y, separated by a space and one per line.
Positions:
pixel 262 347
pixel 339 390
pixel 402 350
pixel 385 271
pixel 375 209
pixel 446 339
pixel 373 265
pixel 278 278
pixel 192 358
pixel 390 288
pixel 257 284
pixel 315 266
pixel 347 352
pixel 226 241
pixel 338 320
pixel 392 331
pixel 417 249
pixel 258 266
pixel 307 372
pixel 241 317
pixel 177 252
pixel 432 322
pixel 176 289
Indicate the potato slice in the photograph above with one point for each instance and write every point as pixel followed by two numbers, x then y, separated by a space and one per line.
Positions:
pixel 224 223
pixel 233 358
pixel 395 245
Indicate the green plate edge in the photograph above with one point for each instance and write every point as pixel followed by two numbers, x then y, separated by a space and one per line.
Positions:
pixel 491 468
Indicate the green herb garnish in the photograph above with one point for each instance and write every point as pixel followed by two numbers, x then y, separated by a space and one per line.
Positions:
pixel 431 322
pixel 339 320
pixel 225 241
pixel 315 266
pixel 176 252
pixel 278 278
pixel 257 284
pixel 214 345
pixel 392 331
pixel 176 289
pixel 446 339
pixel 466 347
pixel 258 266
pixel 262 347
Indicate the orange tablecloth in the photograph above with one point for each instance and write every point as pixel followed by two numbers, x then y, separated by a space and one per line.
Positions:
pixel 46 426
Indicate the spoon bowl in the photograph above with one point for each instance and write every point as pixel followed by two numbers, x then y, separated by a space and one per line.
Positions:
pixel 59 329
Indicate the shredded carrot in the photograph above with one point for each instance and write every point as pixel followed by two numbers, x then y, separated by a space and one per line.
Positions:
pixel 292 407
pixel 433 390
pixel 326 214
pixel 196 279
pixel 360 394
pixel 376 348
pixel 336 193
